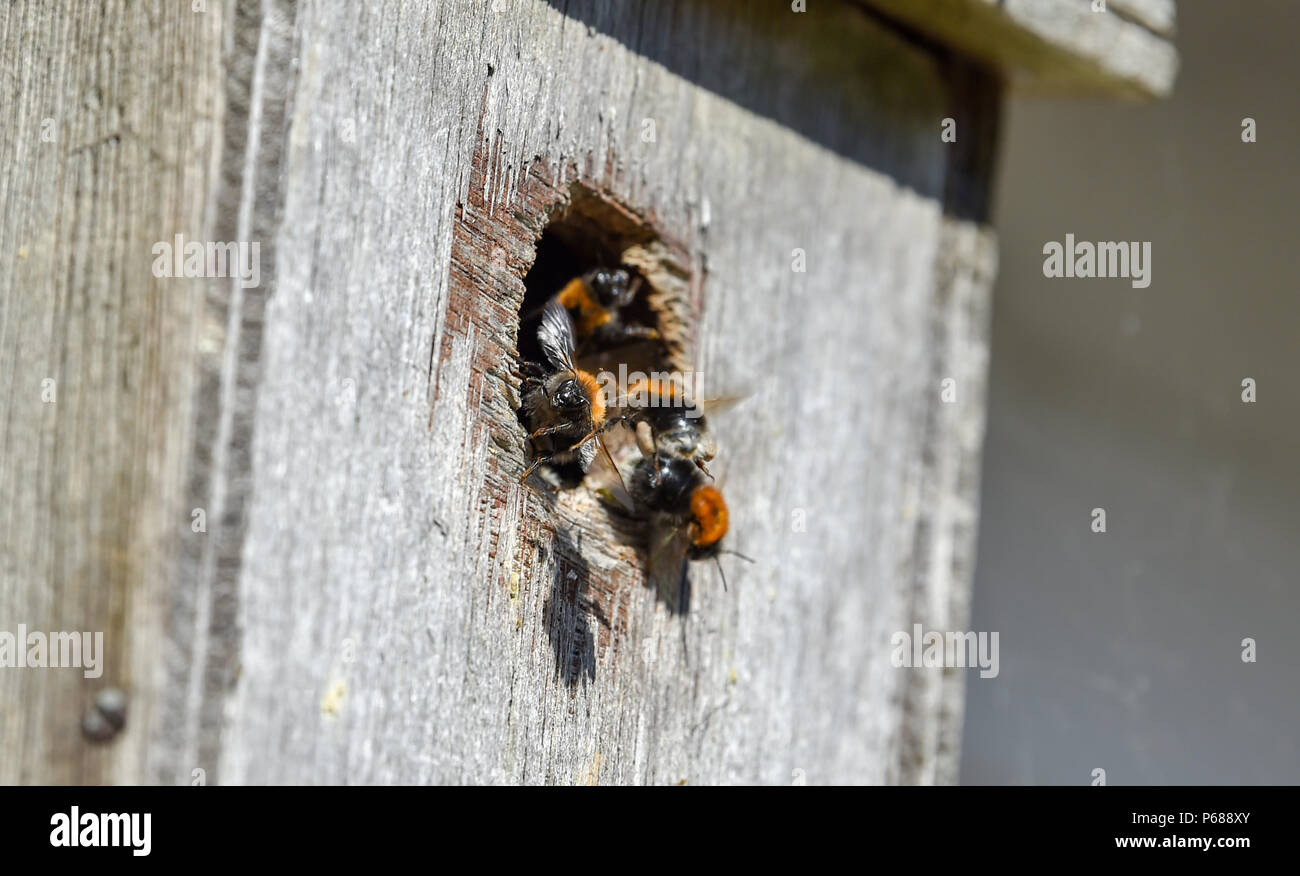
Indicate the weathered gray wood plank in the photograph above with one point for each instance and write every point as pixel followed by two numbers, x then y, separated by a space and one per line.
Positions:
pixel 106 147
pixel 1158 15
pixel 1055 46
pixel 471 608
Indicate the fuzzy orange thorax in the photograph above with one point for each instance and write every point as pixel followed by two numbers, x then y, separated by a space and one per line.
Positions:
pixel 592 389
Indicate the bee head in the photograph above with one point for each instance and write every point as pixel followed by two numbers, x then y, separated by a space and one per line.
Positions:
pixel 612 288
pixel 569 397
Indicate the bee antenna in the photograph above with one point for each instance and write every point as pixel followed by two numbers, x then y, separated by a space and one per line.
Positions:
pixel 738 554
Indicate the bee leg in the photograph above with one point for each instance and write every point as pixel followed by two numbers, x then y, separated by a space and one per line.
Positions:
pixel 533 376
pixel 532 468
pixel 640 333
pixel 599 430
pixel 543 432
pixel 547 431
pixel 584 439
pixel 613 333
pixel 702 467
pixel 645 438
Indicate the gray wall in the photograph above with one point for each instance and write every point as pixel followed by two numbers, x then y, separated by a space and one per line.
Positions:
pixel 1122 650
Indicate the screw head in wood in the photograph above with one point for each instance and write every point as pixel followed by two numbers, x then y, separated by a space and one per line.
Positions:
pixel 106 717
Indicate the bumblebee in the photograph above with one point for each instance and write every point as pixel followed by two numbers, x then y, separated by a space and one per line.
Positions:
pixel 565 408
pixel 688 517
pixel 594 302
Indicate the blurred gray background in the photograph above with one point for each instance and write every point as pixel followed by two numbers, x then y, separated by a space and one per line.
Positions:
pixel 1123 650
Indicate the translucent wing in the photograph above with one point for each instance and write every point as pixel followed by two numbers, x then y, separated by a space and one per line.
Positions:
pixel 555 334
pixel 607 481
pixel 624 497
pixel 667 563
pixel 587 449
pixel 721 404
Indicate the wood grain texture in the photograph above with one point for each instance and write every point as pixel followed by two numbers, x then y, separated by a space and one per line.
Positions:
pixel 1055 47
pixel 107 146
pixel 376 599
pixel 494 635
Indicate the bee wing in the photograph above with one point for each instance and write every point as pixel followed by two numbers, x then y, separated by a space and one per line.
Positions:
pixel 556 336
pixel 666 566
pixel 624 496
pixel 720 404
pixel 607 481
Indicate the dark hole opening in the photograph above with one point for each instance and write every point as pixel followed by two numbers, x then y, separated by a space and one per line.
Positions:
pixel 590 232
pixel 559 259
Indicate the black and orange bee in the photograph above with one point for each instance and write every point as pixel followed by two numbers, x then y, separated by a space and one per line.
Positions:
pixel 688 517
pixel 565 408
pixel 595 301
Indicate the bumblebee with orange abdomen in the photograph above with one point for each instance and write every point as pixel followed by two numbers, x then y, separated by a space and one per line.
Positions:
pixel 565 408
pixel 688 516
pixel 595 301
pixel 675 491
